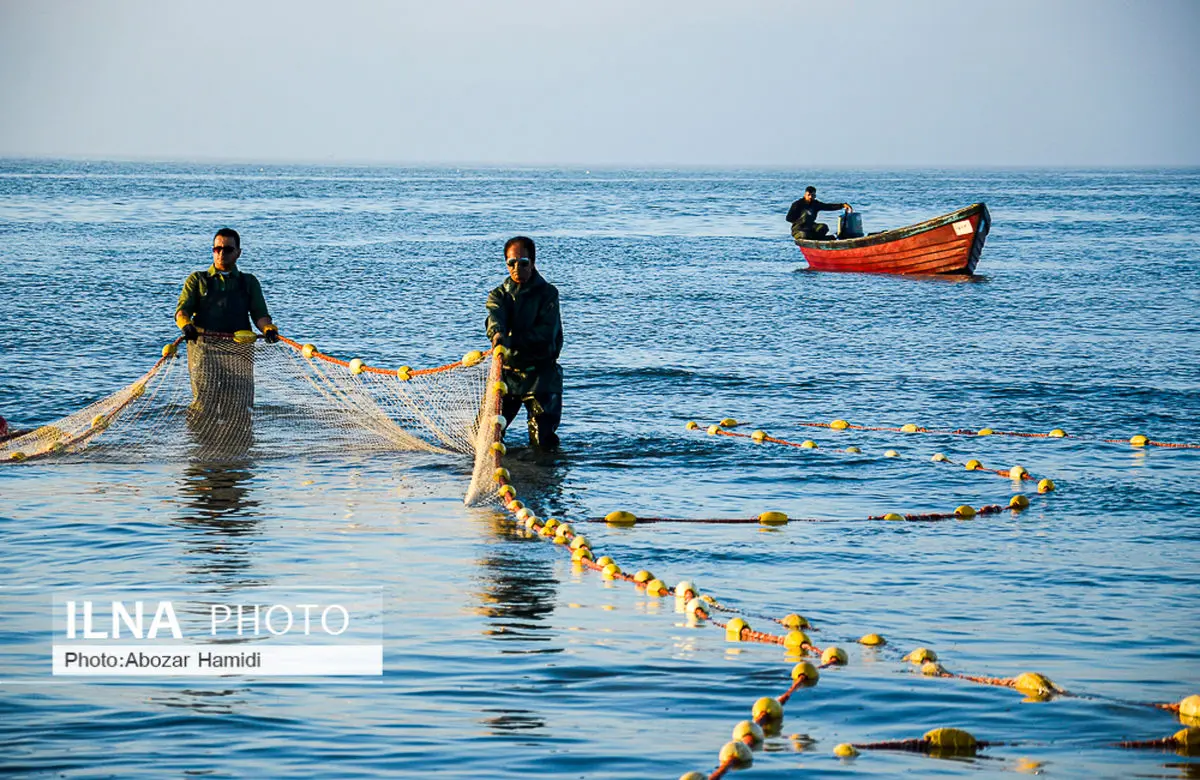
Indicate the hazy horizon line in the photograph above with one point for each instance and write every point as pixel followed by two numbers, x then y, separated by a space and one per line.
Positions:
pixel 588 167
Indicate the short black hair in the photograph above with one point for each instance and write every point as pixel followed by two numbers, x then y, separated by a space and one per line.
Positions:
pixel 523 241
pixel 811 189
pixel 230 233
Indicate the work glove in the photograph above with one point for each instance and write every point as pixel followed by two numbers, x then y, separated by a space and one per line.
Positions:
pixel 271 334
pixel 190 333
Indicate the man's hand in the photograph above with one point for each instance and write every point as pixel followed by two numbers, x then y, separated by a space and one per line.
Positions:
pixel 189 332
pixel 498 339
pixel 271 334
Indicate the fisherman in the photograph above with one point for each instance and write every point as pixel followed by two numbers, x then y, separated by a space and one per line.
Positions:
pixel 803 216
pixel 222 300
pixel 523 315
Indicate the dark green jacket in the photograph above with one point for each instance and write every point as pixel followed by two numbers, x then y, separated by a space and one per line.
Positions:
pixel 528 317
pixel 803 214
pixel 222 304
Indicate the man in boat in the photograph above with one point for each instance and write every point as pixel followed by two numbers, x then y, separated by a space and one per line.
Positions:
pixel 803 216
pixel 213 305
pixel 523 315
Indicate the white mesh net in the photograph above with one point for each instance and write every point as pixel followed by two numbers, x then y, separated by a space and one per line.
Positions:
pixel 489 431
pixel 230 400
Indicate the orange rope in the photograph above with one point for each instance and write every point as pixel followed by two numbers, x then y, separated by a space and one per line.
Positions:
pixel 762 637
pixel 732 610
pixel 1010 682
pixel 1166 742
pixel 1150 443
pixel 774 440
pixel 1022 435
pixel 1002 472
pixel 918 429
pixel 722 770
pixel 1003 682
pixel 1006 473
pixel 726 520
pixel 796 684
pixel 367 369
pixel 917 745
pixel 438 370
pixel 990 509
pixel 962 432
pixel 908 745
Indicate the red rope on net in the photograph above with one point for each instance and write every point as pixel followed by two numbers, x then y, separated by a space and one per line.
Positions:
pixel 317 354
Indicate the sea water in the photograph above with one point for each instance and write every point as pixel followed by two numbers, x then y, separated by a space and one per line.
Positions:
pixel 683 299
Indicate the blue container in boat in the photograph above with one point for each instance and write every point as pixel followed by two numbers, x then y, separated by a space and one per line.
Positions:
pixel 850 225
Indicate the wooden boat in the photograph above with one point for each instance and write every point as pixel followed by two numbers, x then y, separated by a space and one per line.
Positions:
pixel 949 244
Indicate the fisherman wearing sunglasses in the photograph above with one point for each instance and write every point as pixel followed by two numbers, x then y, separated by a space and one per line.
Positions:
pixel 523 315
pixel 213 306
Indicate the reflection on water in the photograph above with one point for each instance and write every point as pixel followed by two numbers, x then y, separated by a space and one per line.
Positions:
pixel 215 702
pixel 519 591
pixel 218 495
pixel 514 720
pixel 906 278
pixel 542 474
pixel 223 517
pixel 1188 769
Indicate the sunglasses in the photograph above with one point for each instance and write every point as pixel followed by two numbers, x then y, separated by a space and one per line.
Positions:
pixel 520 261
pixel 220 250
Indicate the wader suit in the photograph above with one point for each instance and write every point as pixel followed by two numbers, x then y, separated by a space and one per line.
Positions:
pixel 528 320
pixel 222 372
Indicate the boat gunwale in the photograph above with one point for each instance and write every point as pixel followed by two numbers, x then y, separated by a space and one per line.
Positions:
pixel 895 234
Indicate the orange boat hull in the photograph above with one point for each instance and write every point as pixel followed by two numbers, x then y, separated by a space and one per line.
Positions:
pixel 950 244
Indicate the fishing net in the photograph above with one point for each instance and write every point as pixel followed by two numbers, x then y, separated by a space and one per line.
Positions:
pixel 238 397
pixel 490 430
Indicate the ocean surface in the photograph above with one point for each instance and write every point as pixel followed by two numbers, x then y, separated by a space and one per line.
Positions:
pixel 683 299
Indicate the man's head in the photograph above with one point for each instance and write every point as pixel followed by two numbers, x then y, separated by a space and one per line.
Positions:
pixel 520 255
pixel 810 193
pixel 227 248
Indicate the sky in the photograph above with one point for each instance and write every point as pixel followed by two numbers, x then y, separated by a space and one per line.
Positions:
pixel 718 83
